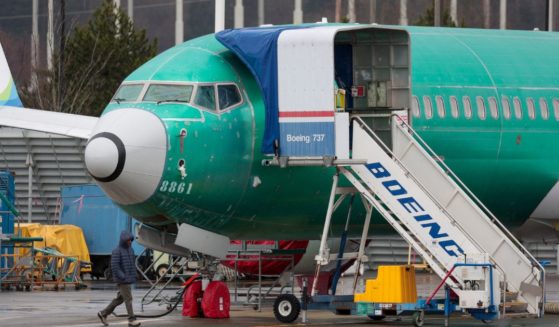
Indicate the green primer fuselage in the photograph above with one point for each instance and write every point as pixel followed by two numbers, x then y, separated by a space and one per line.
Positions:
pixel 510 164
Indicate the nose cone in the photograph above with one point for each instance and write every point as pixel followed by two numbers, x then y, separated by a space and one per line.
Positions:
pixel 105 156
pixel 126 154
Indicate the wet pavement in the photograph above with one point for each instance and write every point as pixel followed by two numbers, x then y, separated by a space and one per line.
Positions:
pixel 79 308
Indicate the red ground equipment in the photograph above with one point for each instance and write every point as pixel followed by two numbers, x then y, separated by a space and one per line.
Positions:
pixel 216 301
pixel 192 298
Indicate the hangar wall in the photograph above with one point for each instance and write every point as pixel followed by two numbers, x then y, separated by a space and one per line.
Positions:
pixel 57 161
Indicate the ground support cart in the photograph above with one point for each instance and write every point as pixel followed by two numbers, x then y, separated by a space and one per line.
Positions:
pixel 393 293
pixel 57 270
pixel 379 299
pixel 17 266
pixel 255 294
pixel 287 308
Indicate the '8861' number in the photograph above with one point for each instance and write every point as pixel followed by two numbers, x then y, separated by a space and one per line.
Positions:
pixel 172 187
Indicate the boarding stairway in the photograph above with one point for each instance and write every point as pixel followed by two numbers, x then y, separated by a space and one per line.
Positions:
pixel 446 224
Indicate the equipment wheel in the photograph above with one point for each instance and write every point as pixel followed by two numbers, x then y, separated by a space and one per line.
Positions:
pixel 418 318
pixel 162 270
pixel 286 308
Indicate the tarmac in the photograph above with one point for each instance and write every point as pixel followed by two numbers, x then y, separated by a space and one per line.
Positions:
pixel 79 308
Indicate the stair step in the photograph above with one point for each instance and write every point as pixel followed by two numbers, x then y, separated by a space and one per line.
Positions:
pixel 515 307
pixel 511 296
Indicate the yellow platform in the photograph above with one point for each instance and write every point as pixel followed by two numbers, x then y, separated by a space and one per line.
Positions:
pixel 394 284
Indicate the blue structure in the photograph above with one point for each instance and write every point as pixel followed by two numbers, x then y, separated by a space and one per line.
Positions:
pixel 7 188
pixel 87 207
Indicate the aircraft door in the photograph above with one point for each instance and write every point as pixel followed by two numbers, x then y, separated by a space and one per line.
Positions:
pixel 381 75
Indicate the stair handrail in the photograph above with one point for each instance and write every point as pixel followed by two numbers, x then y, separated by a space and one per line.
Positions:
pixel 421 186
pixel 535 263
pixel 472 196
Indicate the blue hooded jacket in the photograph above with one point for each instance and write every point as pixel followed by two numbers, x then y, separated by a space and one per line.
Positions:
pixel 123 261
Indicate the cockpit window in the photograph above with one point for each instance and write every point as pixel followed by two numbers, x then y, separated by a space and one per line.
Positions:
pixel 128 92
pixel 228 96
pixel 205 96
pixel 169 93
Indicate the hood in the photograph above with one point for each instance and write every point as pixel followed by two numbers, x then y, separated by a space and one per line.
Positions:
pixel 124 237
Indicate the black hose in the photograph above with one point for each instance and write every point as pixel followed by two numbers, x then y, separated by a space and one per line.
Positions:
pixel 161 314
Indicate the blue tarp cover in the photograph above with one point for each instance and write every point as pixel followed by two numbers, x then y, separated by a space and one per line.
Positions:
pixel 257 48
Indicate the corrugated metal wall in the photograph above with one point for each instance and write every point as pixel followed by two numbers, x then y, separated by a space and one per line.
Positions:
pixel 57 161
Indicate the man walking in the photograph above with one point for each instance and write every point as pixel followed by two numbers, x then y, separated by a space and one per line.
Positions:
pixel 124 274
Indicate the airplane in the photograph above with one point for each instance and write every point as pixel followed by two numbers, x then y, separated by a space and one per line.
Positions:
pixel 184 139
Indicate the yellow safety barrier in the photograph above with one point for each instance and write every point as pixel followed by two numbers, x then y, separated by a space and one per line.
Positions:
pixel 394 284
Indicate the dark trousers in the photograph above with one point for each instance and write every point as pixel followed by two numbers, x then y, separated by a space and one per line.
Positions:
pixel 124 295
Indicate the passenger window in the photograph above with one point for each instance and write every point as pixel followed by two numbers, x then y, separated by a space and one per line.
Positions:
pixel 556 108
pixel 506 107
pixel 428 106
pixel 481 108
pixel 517 108
pixel 128 92
pixel 467 107
pixel 544 110
pixel 440 106
pixel 415 106
pixel 493 108
pixel 228 96
pixel 169 93
pixel 531 108
pixel 454 106
pixel 205 97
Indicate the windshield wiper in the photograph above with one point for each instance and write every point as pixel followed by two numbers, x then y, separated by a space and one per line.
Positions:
pixel 172 100
pixel 118 100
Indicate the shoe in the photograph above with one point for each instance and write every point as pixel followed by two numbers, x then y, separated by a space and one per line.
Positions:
pixel 102 318
pixel 134 323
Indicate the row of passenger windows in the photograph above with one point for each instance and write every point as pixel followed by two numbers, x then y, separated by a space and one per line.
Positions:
pixel 481 107
pixel 204 96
